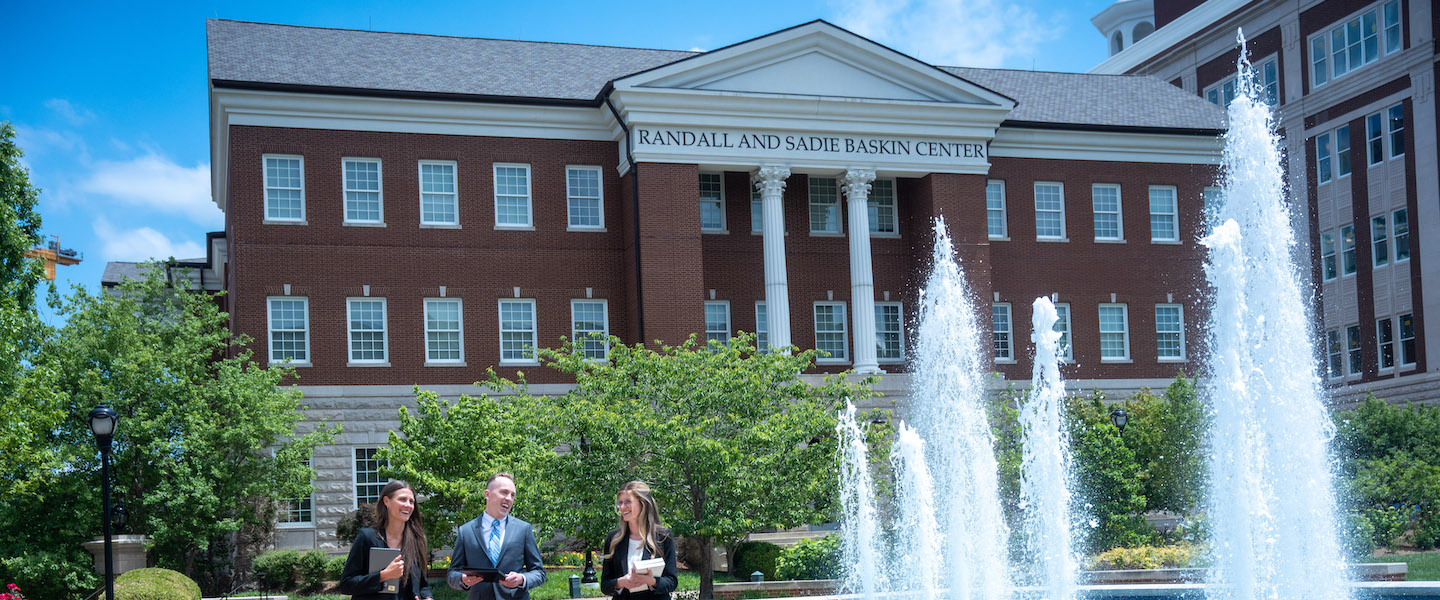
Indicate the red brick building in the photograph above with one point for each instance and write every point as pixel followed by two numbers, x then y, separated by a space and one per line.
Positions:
pixel 408 209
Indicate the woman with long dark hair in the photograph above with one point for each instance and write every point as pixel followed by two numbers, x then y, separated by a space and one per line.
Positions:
pixel 640 536
pixel 397 525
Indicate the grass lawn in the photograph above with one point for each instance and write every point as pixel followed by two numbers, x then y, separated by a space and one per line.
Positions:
pixel 1423 566
pixel 557 587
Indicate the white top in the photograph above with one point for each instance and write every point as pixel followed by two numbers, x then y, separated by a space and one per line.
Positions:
pixel 636 547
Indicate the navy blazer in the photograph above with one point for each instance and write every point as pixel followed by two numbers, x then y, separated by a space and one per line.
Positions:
pixel 615 566
pixel 361 584
pixel 518 553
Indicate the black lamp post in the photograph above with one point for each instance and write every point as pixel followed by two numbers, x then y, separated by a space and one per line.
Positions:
pixel 1118 417
pixel 102 423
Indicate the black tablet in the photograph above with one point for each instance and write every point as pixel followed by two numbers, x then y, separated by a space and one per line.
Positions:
pixel 486 575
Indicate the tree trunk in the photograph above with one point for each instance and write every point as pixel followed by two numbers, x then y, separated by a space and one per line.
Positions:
pixel 707 569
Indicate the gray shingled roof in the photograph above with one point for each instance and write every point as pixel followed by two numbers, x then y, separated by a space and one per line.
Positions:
pixel 368 61
pixel 1081 98
pixel 312 56
pixel 116 271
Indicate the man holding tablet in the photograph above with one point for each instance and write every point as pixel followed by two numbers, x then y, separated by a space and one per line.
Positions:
pixel 495 556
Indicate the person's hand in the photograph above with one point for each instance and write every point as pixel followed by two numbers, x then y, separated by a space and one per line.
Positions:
pixel 394 569
pixel 645 578
pixel 513 580
pixel 633 579
pixel 469 580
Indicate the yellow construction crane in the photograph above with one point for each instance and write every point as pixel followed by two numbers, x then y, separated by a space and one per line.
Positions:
pixel 53 255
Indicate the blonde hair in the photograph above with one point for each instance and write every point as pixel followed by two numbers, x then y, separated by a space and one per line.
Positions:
pixel 650 527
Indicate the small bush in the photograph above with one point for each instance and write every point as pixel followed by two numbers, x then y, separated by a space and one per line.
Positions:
pixel 334 567
pixel 313 569
pixel 563 559
pixel 277 568
pixel 749 557
pixel 1178 556
pixel 66 574
pixel 155 584
pixel 810 559
pixel 349 525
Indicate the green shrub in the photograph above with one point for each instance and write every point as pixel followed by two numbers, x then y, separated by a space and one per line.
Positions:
pixel 349 525
pixel 748 557
pixel 334 567
pixel 313 569
pixel 277 568
pixel 1178 556
pixel 1107 479
pixel 155 584
pixel 810 559
pixel 51 574
pixel 565 559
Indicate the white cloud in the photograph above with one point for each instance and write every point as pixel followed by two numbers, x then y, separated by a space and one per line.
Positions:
pixel 154 182
pixel 76 116
pixel 140 244
pixel 956 33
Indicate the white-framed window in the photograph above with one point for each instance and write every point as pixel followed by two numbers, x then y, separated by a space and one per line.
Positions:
pixel 995 209
pixel 439 200
pixel 444 331
pixel 1342 151
pixel 824 205
pixel 366 334
pixel 1400 225
pixel 757 211
pixel 1169 332
pixel 1334 354
pixel 717 321
pixel 584 198
pixel 364 204
pixel 1375 138
pixel 881 208
pixel 368 482
pixel 1395 127
pixel 289 326
pixel 1114 333
pixel 1385 343
pixel 889 332
pixel 1347 250
pixel 1224 91
pixel 1387 124
pixel 1105 202
pixel 712 202
pixel 1062 325
pixel 1353 349
pixel 518 336
pixel 590 326
pixel 1323 159
pixel 1164 214
pixel 1379 241
pixel 762 327
pixel 1355 42
pixel 1212 196
pixel 830 334
pixel 1327 256
pixel 284 188
pixel 1002 331
pixel 1407 340
pixel 297 512
pixel 512 196
pixel 1049 210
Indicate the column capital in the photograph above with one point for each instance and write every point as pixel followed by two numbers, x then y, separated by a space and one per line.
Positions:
pixel 770 179
pixel 857 183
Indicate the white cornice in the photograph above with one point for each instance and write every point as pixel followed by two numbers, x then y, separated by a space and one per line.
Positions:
pixel 1174 32
pixel 1106 146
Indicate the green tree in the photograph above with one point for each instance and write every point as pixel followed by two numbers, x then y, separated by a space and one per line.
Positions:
pixel 205 435
pixel 1107 488
pixel 1167 435
pixel 19 224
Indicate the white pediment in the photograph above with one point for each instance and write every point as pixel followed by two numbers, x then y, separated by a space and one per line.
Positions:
pixel 815 59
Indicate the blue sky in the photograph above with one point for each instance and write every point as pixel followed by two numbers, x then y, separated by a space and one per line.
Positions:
pixel 109 98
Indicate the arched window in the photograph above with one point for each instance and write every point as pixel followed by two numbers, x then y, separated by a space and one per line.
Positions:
pixel 1117 43
pixel 1141 30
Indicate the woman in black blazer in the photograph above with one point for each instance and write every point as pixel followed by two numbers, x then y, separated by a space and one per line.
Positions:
pixel 640 536
pixel 397 525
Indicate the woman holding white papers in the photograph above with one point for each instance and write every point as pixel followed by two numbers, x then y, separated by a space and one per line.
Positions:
pixel 639 558
pixel 398 532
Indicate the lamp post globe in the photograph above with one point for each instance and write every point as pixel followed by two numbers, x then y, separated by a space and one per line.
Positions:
pixel 103 422
pixel 1118 418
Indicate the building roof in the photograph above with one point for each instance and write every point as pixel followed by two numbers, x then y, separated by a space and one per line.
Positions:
pixel 117 271
pixel 288 57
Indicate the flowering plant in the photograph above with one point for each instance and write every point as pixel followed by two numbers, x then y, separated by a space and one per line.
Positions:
pixel 443 563
pixel 13 594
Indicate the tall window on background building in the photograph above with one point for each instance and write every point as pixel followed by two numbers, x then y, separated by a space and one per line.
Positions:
pixel 1327 255
pixel 584 199
pixel 1335 354
pixel 995 209
pixel 1062 325
pixel 1049 211
pixel 1385 343
pixel 717 321
pixel 1169 332
pixel 299 511
pixel 1379 241
pixel 1001 327
pixel 589 326
pixel 517 331
pixel 712 202
pixel 1105 202
pixel 438 203
pixel 1164 214
pixel 362 191
pixel 1114 333
pixel 1347 250
pixel 284 188
pixel 1353 349
pixel 881 206
pixel 1407 339
pixel 368 481
pixel 1322 157
pixel 1342 150
pixel 1400 224
pixel 762 328
pixel 824 205
pixel 830 334
pixel 289 329
pixel 444 341
pixel 367 335
pixel 512 196
pixel 889 332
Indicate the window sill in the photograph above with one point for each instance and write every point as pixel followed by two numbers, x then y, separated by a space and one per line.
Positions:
pixel 762 233
pixel 1166 242
pixel 281 363
pixel 445 364
pixel 1003 238
pixel 360 224
pixel 310 525
pixel 1108 241
pixel 1172 360
pixel 891 236
pixel 515 228
pixel 528 363
pixel 368 364
pixel 1005 361
pixel 827 234
pixel 284 222
pixel 715 231
pixel 440 226
pixel 1116 361
pixel 1062 240
pixel 588 229
pixel 832 361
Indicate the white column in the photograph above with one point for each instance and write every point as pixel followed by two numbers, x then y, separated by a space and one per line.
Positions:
pixel 770 182
pixel 862 281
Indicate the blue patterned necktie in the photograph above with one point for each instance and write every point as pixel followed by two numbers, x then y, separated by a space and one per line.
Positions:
pixel 494 545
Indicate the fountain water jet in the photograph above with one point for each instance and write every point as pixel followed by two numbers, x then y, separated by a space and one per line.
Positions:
pixel 1045 479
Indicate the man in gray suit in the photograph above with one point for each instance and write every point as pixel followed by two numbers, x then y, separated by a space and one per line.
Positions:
pixel 497 540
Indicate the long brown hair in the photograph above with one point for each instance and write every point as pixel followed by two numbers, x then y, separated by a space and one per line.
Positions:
pixel 414 546
pixel 650 528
